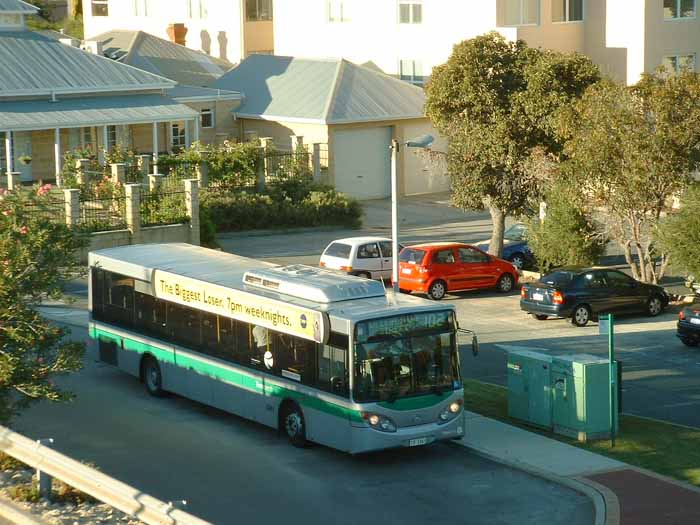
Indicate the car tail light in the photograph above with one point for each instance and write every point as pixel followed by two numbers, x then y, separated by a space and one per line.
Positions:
pixel 557 298
pixel 681 315
pixel 346 268
pixel 322 264
pixel 523 293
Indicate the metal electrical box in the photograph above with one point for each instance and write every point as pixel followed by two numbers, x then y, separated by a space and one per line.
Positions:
pixel 529 387
pixel 581 396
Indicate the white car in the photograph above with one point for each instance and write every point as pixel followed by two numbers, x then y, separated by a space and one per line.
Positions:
pixel 368 257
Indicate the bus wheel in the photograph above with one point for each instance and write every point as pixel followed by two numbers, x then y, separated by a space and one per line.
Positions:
pixel 152 377
pixel 294 425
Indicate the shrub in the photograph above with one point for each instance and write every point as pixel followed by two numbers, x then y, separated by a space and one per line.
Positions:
pixel 679 233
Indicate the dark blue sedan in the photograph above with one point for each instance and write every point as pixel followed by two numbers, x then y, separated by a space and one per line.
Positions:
pixel 515 248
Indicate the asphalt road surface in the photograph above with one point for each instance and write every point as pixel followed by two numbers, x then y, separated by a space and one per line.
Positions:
pixel 234 471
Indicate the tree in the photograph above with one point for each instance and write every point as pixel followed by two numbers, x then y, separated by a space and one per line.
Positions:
pixel 36 257
pixel 633 148
pixel 567 236
pixel 495 101
pixel 678 234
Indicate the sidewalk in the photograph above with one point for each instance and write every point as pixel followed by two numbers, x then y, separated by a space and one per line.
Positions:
pixel 621 493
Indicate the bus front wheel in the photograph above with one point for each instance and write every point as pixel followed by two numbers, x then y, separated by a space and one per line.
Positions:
pixel 152 378
pixel 294 425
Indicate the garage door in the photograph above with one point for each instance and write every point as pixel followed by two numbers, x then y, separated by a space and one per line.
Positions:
pixel 362 162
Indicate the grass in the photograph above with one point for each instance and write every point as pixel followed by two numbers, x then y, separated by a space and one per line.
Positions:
pixel 665 448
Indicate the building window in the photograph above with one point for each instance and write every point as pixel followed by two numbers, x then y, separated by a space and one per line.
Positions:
pixel 338 11
pixel 197 9
pixel 567 11
pixel 410 11
pixel 111 137
pixel 677 64
pixel 177 136
pixel 411 71
pixel 675 9
pixel 258 10
pixel 521 12
pixel 100 8
pixel 207 116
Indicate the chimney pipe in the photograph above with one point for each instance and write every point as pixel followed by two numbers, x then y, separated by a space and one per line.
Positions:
pixel 177 33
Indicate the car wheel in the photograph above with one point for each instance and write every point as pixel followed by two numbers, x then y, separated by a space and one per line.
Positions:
pixel 689 342
pixel 517 260
pixel 403 290
pixel 654 306
pixel 506 283
pixel 437 290
pixel 581 315
pixel 294 426
pixel 541 317
pixel 365 275
pixel 152 377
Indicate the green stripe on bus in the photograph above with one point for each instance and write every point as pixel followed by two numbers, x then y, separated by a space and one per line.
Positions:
pixel 230 376
pixel 413 403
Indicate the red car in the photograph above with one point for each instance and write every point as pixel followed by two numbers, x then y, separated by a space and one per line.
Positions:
pixel 438 268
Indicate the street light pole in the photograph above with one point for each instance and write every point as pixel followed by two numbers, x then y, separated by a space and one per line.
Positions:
pixel 394 216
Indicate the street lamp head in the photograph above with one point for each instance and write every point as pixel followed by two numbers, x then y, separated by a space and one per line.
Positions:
pixel 424 141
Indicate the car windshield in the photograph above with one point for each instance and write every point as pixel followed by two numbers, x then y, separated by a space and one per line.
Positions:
pixel 515 233
pixel 411 255
pixel 405 356
pixel 338 249
pixel 559 278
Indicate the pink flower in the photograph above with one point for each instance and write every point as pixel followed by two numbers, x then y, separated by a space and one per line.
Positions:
pixel 7 213
pixel 3 191
pixel 24 230
pixel 40 360
pixel 44 190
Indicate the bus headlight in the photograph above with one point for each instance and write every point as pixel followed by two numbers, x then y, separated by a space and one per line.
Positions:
pixel 450 411
pixel 378 422
pixel 456 406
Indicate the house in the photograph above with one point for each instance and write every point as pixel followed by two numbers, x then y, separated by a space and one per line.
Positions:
pixel 356 110
pixel 55 97
pixel 192 70
pixel 407 38
pixel 227 29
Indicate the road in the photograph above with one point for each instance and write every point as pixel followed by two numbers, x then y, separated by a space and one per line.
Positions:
pixel 235 471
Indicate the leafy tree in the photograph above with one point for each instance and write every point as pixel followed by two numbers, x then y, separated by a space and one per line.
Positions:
pixel 633 148
pixel 36 258
pixel 679 233
pixel 567 236
pixel 495 101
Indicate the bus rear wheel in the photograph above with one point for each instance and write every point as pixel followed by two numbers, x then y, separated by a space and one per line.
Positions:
pixel 152 378
pixel 294 425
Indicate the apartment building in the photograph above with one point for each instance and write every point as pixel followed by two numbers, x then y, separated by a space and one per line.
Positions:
pixel 226 29
pixel 408 38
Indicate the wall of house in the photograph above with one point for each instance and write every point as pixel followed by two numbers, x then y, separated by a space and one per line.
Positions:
pixel 281 132
pixel 669 37
pixel 218 33
pixel 258 37
pixel 562 36
pixel 225 127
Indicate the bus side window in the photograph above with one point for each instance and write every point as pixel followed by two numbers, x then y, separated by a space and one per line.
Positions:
pixel 184 325
pixel 333 370
pixel 119 299
pixel 150 315
pixel 98 283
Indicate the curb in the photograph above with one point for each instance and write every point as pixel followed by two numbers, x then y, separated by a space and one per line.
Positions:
pixel 596 497
pixel 282 231
pixel 612 503
pixel 10 511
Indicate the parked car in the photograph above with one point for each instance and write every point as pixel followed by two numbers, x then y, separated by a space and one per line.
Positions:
pixel 689 325
pixel 438 268
pixel 368 257
pixel 583 294
pixel 515 248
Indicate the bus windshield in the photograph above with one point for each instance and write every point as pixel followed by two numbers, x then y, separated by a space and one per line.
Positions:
pixel 404 356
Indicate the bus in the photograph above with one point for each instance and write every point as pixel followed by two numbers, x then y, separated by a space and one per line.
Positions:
pixel 320 355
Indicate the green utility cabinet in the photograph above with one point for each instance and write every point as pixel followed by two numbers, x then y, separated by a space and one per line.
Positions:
pixel 567 394
pixel 529 387
pixel 581 396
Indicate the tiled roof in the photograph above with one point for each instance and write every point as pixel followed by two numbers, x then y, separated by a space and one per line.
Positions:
pixel 17 6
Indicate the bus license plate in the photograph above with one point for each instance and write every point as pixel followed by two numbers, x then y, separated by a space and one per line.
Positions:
pixel 537 297
pixel 417 442
pixel 694 320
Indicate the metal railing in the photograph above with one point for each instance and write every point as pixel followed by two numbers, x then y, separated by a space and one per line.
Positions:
pixel 119 495
pixel 99 215
pixel 163 207
pixel 52 210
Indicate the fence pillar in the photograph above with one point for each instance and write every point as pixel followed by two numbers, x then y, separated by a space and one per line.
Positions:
pixel 118 172
pixel 133 211
pixel 81 166
pixel 316 162
pixel 297 142
pixel 202 171
pixel 14 180
pixel 155 180
pixel 44 480
pixel 72 200
pixel 144 164
pixel 192 203
pixel 266 145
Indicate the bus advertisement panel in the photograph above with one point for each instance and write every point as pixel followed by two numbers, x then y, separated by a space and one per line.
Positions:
pixel 242 306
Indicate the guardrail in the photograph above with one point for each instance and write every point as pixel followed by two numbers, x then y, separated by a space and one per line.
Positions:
pixel 119 495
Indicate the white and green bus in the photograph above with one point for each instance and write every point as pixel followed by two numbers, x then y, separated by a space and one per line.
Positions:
pixel 319 355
